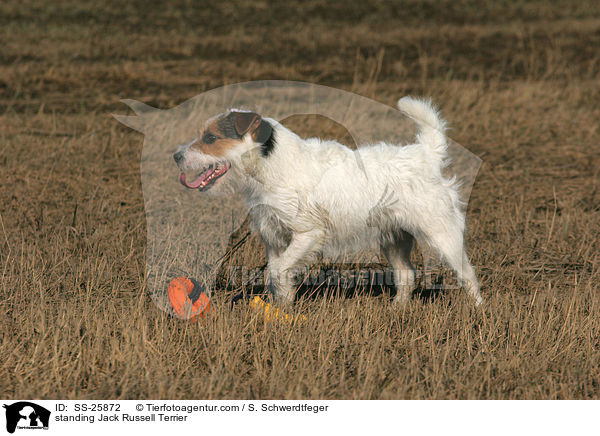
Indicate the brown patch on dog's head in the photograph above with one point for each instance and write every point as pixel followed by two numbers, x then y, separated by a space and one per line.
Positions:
pixel 225 132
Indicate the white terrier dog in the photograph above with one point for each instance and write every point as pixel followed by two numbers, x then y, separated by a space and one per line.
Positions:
pixel 309 196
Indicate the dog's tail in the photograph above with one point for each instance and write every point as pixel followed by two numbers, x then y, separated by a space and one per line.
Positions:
pixel 432 127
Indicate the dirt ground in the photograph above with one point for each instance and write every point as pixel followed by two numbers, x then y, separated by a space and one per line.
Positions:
pixel 518 81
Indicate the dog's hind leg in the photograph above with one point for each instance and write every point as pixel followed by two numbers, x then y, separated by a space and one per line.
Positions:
pixel 397 252
pixel 450 245
pixel 280 268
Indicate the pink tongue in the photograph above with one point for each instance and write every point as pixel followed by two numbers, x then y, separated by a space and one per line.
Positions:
pixel 196 183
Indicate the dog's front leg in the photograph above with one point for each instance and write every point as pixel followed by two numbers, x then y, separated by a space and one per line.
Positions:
pixel 280 267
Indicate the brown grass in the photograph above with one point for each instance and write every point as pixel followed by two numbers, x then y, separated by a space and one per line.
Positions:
pixel 519 84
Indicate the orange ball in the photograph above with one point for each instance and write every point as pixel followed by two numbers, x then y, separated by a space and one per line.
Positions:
pixel 187 298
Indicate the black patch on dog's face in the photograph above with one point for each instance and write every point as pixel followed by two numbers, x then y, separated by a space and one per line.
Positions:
pixel 269 145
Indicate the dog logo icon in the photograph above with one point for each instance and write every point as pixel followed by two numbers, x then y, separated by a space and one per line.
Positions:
pixel 26 415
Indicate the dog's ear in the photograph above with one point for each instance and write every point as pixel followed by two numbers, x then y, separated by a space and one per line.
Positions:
pixel 244 121
pixel 251 122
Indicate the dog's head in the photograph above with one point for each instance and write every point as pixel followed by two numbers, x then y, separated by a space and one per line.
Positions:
pixel 219 150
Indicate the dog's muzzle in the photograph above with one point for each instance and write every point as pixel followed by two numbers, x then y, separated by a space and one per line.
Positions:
pixel 179 158
pixel 207 177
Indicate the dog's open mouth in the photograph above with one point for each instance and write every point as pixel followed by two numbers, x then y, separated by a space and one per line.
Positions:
pixel 206 178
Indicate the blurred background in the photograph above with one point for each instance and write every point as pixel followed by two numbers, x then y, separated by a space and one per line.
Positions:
pixel 518 81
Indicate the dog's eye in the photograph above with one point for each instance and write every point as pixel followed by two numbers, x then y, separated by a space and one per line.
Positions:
pixel 209 138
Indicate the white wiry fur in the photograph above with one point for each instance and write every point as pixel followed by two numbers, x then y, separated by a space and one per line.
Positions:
pixel 311 196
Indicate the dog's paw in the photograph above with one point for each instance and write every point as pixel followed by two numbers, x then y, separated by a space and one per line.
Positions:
pixel 479 301
pixel 283 298
pixel 402 299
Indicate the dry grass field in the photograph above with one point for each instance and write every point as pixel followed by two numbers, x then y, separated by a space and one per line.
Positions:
pixel 518 81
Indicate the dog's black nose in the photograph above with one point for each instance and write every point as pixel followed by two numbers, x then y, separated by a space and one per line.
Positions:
pixel 178 157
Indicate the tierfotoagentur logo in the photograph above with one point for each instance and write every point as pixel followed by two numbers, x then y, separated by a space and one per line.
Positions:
pixel 27 416
pixel 190 227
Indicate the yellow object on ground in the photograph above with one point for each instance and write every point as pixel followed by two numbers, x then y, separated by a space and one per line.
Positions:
pixel 273 313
